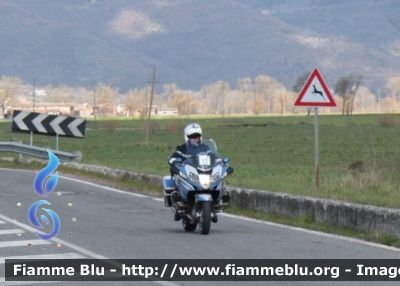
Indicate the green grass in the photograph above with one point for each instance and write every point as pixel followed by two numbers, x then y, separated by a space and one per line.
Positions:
pixel 267 153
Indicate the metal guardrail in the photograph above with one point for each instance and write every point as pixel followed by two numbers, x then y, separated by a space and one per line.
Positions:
pixel 39 151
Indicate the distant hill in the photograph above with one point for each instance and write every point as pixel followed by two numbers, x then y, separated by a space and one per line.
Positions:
pixel 196 42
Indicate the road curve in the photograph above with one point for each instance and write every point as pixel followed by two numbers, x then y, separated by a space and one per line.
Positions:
pixel 111 223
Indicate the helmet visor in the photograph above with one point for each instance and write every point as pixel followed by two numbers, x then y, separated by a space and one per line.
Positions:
pixel 194 135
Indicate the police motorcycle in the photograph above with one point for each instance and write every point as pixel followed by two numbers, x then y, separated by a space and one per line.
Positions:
pixel 194 189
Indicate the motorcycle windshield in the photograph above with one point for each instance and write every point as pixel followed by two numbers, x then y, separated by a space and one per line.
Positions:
pixel 203 155
pixel 193 150
pixel 212 145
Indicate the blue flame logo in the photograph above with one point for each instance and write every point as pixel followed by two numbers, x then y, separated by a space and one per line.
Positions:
pixel 49 187
pixel 43 174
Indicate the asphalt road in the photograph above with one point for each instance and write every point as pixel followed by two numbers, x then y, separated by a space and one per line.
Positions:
pixel 119 225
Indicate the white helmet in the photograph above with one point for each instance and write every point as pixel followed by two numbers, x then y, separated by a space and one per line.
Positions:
pixel 192 129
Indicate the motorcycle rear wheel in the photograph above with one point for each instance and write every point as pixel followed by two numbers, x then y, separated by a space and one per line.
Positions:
pixel 205 218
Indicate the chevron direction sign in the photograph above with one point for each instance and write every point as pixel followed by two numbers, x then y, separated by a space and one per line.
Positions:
pixel 46 124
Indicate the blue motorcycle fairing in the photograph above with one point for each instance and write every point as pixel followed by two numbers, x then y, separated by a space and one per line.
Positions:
pixel 217 187
pixel 192 167
pixel 182 169
pixel 183 185
pixel 224 168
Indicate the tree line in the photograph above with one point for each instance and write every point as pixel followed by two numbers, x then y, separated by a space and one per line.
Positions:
pixel 262 94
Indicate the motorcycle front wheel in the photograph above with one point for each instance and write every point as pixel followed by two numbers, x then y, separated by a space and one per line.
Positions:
pixel 205 218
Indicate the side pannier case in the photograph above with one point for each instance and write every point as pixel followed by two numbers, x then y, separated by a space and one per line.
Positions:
pixel 168 188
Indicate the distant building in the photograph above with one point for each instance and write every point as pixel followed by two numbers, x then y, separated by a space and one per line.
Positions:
pixel 67 109
pixel 160 111
pixel 105 109
pixel 46 107
pixel 121 110
pixel 167 111
pixel 82 110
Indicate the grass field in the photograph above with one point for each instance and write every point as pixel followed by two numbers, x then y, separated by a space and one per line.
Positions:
pixel 268 153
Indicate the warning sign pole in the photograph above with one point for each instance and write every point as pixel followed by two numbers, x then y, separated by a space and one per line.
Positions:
pixel 316 146
pixel 315 93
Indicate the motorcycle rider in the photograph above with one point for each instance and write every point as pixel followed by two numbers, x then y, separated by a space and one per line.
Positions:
pixel 192 135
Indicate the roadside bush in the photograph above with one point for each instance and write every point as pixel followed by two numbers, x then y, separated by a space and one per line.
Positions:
pixel 357 167
pixel 387 120
pixel 109 126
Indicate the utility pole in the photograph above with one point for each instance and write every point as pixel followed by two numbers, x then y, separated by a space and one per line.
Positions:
pixel 151 103
pixel 188 104
pixel 188 100
pixel 223 99
pixel 363 101
pixel 145 109
pixel 34 94
pixel 379 95
pixel 284 101
pixel 34 108
pixel 94 99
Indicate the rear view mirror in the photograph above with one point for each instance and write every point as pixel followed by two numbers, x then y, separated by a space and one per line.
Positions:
pixel 227 160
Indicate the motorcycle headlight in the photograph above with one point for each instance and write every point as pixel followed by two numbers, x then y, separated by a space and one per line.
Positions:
pixel 214 178
pixel 194 178
pixel 204 181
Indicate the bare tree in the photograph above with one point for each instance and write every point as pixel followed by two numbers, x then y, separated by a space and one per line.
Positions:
pixel 346 87
pixel 180 101
pixel 61 94
pixel 367 99
pixel 246 88
pixel 169 90
pixel 298 85
pixel 8 89
pixel 356 81
pixel 133 100
pixel 393 87
pixel 342 86
pixel 106 94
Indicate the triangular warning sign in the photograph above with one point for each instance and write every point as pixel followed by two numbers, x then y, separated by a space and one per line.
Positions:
pixel 315 93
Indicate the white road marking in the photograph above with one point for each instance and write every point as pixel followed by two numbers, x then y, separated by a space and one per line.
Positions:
pixel 11 231
pixel 25 243
pixel 44 256
pixel 64 243
pixel 2 222
pixel 106 188
pixel 158 199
